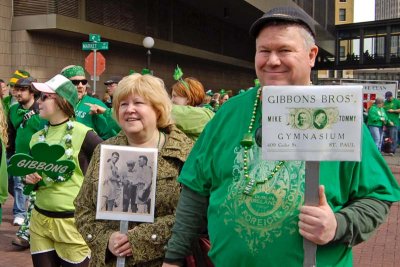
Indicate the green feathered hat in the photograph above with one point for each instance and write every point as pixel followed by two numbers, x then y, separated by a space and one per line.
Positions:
pixel 178 74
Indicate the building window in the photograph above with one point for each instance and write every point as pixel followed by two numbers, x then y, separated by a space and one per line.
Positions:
pixel 342 1
pixel 342 54
pixel 342 14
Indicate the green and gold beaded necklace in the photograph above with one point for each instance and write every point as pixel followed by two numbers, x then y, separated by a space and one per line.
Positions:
pixel 247 143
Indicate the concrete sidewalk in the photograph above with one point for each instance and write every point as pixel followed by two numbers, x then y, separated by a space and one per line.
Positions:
pixel 379 251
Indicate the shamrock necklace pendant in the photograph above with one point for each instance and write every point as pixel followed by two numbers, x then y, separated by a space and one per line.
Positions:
pixel 247 142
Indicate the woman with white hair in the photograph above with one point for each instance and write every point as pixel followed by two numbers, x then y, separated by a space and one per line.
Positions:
pixel 377 118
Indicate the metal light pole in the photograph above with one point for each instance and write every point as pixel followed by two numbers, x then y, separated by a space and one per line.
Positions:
pixel 148 42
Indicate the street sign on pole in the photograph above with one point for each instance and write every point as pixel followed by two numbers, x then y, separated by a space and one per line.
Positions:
pixel 94 46
pixel 92 66
pixel 100 66
pixel 94 37
pixel 95 65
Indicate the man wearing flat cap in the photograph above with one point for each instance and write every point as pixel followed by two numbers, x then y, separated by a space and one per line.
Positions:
pixel 263 223
pixel 112 84
pixel 392 108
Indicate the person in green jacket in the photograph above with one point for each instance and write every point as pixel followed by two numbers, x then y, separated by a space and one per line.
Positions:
pixel 187 96
pixel 254 208
pixel 377 118
pixel 392 108
pixel 98 122
pixel 10 99
pixel 24 121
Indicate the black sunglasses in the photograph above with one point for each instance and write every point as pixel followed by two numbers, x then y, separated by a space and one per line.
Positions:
pixel 44 96
pixel 76 82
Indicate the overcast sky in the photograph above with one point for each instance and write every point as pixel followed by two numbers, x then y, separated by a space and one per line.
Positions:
pixel 364 10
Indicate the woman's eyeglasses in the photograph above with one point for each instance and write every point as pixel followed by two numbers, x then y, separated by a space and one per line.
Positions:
pixel 77 82
pixel 44 96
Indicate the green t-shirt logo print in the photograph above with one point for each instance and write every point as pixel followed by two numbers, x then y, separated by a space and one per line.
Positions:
pixel 44 160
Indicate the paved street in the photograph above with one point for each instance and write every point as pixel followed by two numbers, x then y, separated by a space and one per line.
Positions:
pixel 379 251
pixel 382 250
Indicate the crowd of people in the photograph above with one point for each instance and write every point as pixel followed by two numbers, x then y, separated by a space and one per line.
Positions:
pixel 203 166
pixel 63 111
pixel 384 124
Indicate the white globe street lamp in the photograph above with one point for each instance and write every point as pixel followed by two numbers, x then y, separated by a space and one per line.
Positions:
pixel 148 42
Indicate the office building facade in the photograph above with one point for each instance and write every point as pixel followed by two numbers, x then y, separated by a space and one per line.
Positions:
pixel 208 39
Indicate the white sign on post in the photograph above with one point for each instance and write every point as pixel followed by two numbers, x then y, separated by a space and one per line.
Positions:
pixel 312 123
pixel 375 89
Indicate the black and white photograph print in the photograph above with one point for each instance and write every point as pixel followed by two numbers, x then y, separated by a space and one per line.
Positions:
pixel 127 183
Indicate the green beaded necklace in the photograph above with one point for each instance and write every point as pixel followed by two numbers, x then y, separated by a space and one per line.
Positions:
pixel 247 142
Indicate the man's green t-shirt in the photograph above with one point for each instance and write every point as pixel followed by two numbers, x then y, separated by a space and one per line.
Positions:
pixel 393 116
pixel 97 122
pixel 262 229
pixel 8 101
pixel 25 128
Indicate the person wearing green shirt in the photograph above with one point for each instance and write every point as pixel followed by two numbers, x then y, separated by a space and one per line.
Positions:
pixel 98 122
pixel 10 99
pixel 377 118
pixel 24 121
pixel 392 107
pixel 266 226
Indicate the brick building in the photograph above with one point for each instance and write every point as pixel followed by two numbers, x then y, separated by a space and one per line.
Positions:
pixel 208 39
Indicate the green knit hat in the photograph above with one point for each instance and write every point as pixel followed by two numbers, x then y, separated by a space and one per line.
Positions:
pixel 74 70
pixel 18 74
pixel 61 86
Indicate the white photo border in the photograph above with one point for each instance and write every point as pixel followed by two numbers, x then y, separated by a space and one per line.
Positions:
pixel 126 153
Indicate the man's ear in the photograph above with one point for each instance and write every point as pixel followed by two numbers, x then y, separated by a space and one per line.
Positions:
pixel 313 55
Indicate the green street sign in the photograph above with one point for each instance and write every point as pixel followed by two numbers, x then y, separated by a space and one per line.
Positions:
pixel 94 46
pixel 94 37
